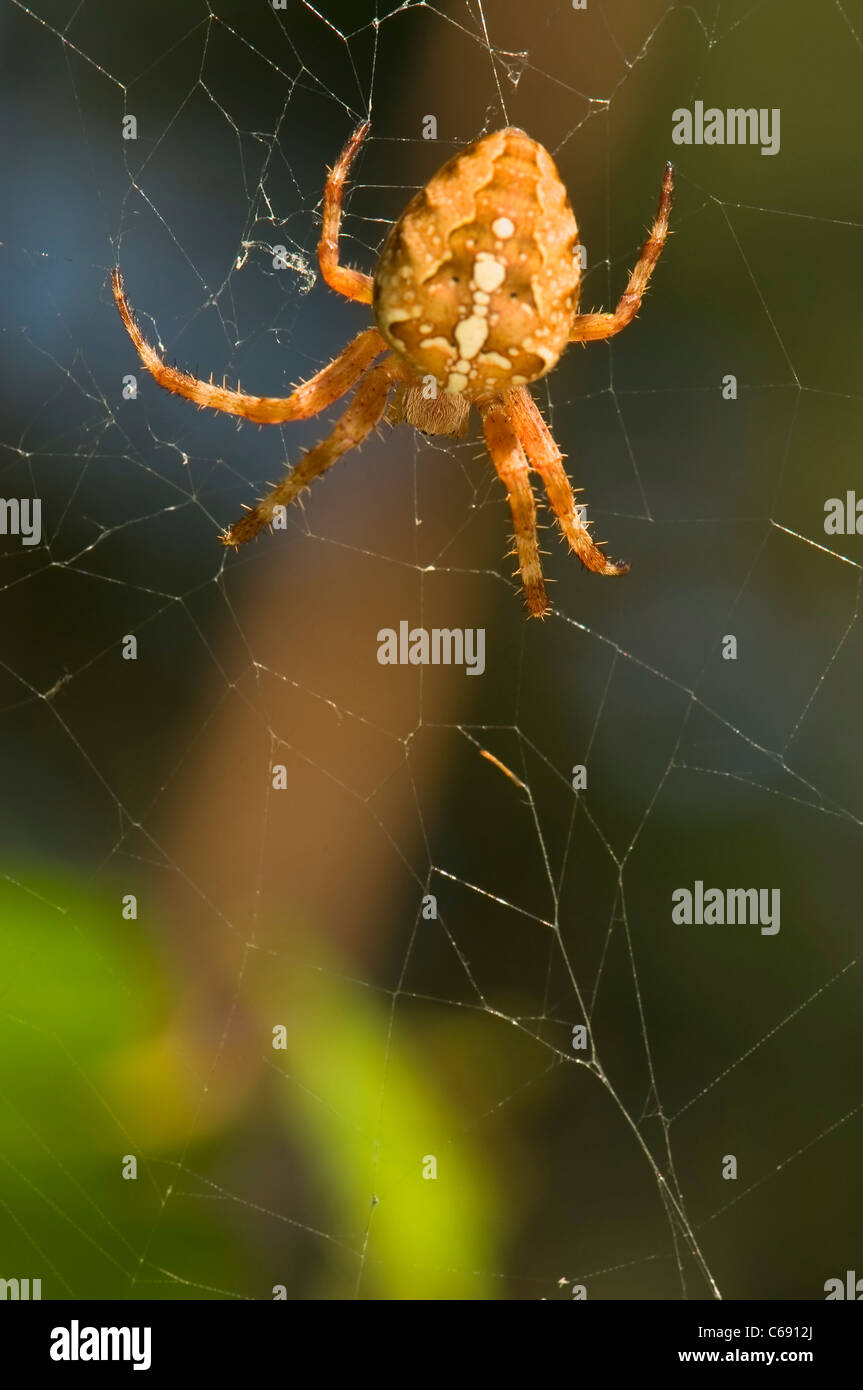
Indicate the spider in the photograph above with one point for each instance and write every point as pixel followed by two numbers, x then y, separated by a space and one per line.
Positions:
pixel 476 295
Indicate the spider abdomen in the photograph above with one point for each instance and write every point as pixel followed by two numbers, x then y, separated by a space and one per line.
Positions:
pixel 477 283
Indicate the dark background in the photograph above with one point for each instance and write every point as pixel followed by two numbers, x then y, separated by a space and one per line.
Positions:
pixel 152 1036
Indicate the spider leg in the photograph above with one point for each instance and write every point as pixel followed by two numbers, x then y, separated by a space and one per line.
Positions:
pixel 590 327
pixel 309 399
pixel 545 458
pixel 509 459
pixel 351 283
pixel 358 421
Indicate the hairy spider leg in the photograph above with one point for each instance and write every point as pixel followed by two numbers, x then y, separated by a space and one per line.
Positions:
pixel 546 459
pixel 509 459
pixel 358 421
pixel 353 284
pixel 309 399
pixel 594 327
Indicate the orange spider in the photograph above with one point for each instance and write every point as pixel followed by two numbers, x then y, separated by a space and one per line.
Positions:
pixel 476 295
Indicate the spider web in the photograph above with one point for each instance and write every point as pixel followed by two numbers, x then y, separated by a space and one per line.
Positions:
pixel 411 1036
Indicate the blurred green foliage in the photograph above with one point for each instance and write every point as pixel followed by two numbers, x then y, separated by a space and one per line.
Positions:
pixel 93 1067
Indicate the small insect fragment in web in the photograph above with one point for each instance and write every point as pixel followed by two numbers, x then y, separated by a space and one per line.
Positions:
pixel 502 767
pixel 475 296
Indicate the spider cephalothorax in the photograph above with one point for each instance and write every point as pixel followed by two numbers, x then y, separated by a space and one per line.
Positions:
pixel 476 295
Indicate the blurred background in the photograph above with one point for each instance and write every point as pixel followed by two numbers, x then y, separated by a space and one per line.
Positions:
pixel 166 914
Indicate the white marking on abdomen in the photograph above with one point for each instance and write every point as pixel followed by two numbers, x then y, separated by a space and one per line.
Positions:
pixel 470 335
pixel 495 360
pixel 442 343
pixel 488 273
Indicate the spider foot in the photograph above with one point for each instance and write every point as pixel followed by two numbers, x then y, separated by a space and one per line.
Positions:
pixel 592 559
pixel 245 528
pixel 539 608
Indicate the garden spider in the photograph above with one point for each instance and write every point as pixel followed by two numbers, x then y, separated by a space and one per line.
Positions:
pixel 476 295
